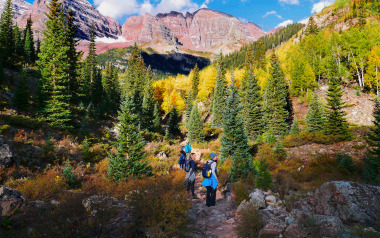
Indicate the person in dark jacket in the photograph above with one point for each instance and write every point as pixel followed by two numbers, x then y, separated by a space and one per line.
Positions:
pixel 190 176
pixel 182 159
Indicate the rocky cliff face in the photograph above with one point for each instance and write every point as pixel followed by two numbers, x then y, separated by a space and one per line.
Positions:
pixel 204 30
pixel 84 13
pixel 19 7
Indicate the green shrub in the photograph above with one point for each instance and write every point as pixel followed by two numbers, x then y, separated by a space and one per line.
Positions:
pixel 270 139
pixel 263 178
pixel 69 175
pixel 304 138
pixel 250 222
pixel 240 191
pixel 48 148
pixel 346 163
pixel 279 152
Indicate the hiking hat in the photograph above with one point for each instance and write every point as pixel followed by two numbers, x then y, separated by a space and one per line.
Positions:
pixel 213 155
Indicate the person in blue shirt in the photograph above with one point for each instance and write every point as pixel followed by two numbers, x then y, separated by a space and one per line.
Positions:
pixel 212 183
pixel 190 176
pixel 182 159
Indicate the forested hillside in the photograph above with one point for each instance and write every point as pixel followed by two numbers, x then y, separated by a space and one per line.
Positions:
pixel 91 147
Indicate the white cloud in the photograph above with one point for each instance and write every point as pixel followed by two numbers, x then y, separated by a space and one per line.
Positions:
pixel 304 21
pixel 290 2
pixel 319 6
pixel 120 8
pixel 285 23
pixel 273 13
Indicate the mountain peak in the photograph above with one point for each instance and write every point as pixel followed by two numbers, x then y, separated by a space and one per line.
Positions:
pixel 19 7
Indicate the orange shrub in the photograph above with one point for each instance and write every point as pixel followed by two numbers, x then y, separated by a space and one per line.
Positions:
pixel 102 186
pixel 44 186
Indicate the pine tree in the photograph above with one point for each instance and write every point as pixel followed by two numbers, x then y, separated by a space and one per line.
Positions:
pixel 54 66
pixel 195 82
pixel 38 48
pixel 276 104
pixel 234 141
pixel 156 119
pixel 312 27
pixel 19 44
pixel 73 56
pixel 128 162
pixel 189 106
pixel 219 101
pixel 195 125
pixel 135 77
pixel 110 84
pixel 29 50
pixel 148 103
pixel 22 93
pixel 336 124
pixel 251 99
pixel 315 120
pixel 6 31
pixel 263 179
pixel 173 129
pixel 295 129
pixel 372 162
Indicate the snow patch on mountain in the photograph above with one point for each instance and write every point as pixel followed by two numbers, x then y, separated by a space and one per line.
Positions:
pixel 120 39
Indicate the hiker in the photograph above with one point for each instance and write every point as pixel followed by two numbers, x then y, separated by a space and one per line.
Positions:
pixel 190 175
pixel 182 159
pixel 211 181
pixel 187 150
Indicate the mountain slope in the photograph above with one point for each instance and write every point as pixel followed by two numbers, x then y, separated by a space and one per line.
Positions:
pixel 19 7
pixel 204 30
pixel 84 13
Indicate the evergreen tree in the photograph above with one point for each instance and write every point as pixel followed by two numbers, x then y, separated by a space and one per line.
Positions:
pixel 19 44
pixel 156 118
pixel 29 50
pixel 73 56
pixel 234 141
pixel 38 48
pixel 173 123
pixel 372 162
pixel 336 124
pixel 6 31
pixel 251 100
pixel 315 120
pixel 312 27
pixel 276 105
pixel 195 82
pixel 195 125
pixel 263 179
pixel 189 106
pixel 110 82
pixel 295 129
pixel 148 103
pixel 22 93
pixel 54 66
pixel 219 101
pixel 2 78
pixel 134 81
pixel 128 162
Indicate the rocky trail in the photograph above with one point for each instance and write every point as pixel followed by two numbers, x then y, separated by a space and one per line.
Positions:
pixel 212 222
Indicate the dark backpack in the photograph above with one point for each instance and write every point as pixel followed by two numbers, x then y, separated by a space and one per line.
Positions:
pixel 187 165
pixel 206 170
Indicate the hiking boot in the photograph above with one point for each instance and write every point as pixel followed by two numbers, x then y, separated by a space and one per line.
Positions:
pixel 194 196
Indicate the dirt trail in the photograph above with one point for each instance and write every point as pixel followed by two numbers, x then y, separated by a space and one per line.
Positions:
pixel 212 222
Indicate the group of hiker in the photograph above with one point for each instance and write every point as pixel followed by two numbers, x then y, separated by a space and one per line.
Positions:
pixel 209 173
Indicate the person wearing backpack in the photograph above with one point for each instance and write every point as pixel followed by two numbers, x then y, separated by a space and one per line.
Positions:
pixel 190 175
pixel 187 150
pixel 182 159
pixel 209 172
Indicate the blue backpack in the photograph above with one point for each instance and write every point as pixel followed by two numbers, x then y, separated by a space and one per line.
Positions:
pixel 182 159
pixel 188 148
pixel 206 170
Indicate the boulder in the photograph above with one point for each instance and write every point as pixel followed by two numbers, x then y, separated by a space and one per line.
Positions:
pixel 294 231
pixel 257 199
pixel 162 156
pixel 5 154
pixel 270 199
pixel 10 201
pixel 329 226
pixel 274 226
pixel 96 202
pixel 350 201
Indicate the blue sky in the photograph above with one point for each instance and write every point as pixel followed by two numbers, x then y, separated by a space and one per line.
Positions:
pixel 268 14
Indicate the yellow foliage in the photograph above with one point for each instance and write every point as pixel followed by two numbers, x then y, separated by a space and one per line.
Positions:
pixel 207 83
pixel 238 74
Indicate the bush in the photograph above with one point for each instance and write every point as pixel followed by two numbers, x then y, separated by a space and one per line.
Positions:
pixel 70 176
pixel 99 185
pixel 241 192
pixel 279 152
pixel 263 178
pixel 161 205
pixel 346 163
pixel 305 138
pixel 250 222
pixel 43 186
